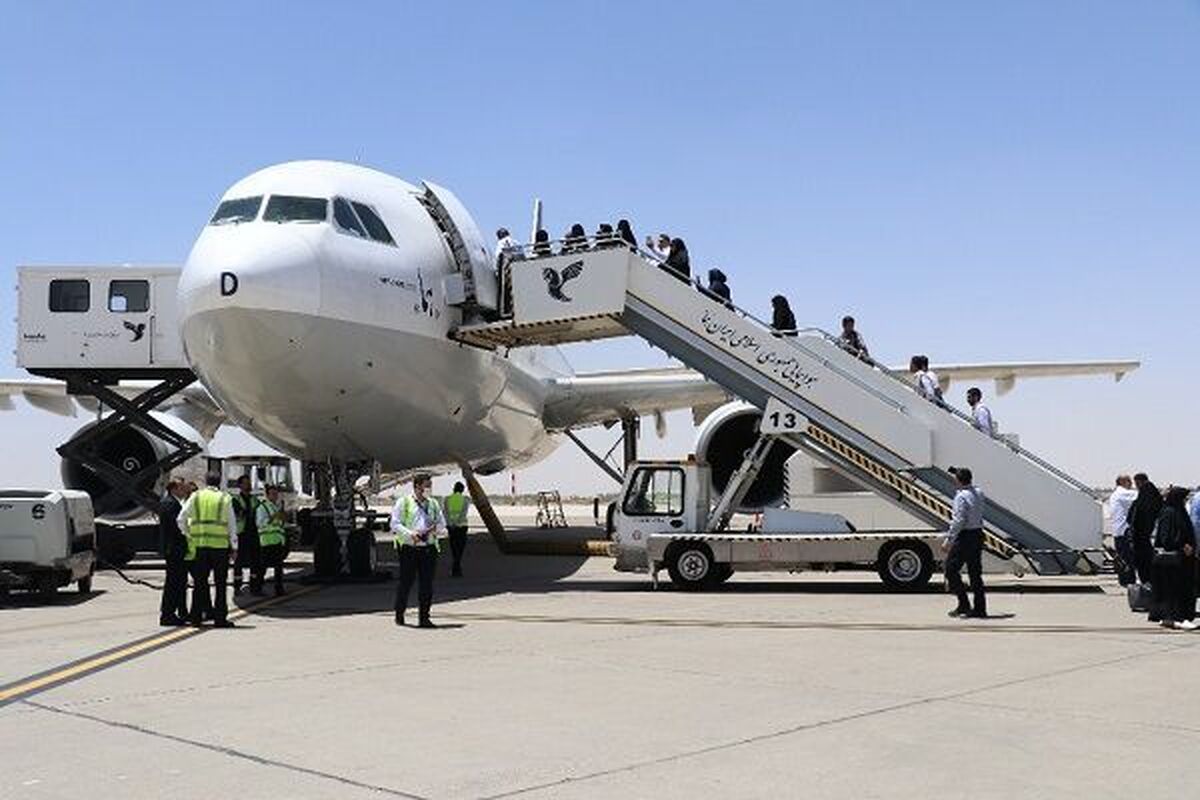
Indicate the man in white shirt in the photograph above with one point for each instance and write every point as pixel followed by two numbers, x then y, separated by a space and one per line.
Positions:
pixel 964 543
pixel 980 413
pixel 661 248
pixel 926 379
pixel 417 523
pixel 208 522
pixel 1116 524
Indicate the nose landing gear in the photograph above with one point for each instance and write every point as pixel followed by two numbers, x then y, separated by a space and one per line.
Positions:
pixel 343 525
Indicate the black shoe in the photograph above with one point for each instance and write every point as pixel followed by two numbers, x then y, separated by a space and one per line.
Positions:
pixel 426 623
pixel 456 573
pixel 195 622
pixel 258 593
pixel 400 619
pixel 171 622
pixel 279 591
pixel 959 612
pixel 224 623
pixel 978 615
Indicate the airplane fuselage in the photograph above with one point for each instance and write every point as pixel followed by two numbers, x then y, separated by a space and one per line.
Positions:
pixel 327 341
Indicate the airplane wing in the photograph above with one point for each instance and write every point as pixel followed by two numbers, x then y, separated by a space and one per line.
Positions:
pixel 193 405
pixel 605 397
pixel 1006 375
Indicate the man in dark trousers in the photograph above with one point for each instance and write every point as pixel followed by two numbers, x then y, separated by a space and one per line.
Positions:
pixel 207 521
pixel 456 507
pixel 417 522
pixel 245 506
pixel 964 541
pixel 173 545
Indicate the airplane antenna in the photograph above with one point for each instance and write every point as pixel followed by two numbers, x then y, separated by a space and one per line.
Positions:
pixel 537 219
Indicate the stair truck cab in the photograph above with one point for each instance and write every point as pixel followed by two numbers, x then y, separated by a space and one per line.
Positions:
pixel 47 540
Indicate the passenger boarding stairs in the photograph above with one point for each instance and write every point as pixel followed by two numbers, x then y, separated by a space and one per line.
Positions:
pixel 858 418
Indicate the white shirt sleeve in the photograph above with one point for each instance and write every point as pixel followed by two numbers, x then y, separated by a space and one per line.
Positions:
pixel 958 518
pixel 184 513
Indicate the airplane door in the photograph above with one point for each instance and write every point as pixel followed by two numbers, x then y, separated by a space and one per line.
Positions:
pixel 471 253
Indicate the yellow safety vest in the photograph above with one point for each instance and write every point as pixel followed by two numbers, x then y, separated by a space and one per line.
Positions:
pixel 273 532
pixel 408 513
pixel 208 522
pixel 456 510
pixel 248 513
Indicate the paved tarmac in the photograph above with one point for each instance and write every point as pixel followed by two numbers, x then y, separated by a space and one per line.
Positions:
pixel 556 677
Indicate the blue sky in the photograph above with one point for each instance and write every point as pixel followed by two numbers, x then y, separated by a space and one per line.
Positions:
pixel 979 181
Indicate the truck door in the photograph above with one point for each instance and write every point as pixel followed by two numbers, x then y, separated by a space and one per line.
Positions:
pixel 653 502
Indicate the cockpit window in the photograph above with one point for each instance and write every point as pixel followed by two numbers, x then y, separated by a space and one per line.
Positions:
pixel 343 214
pixel 231 212
pixel 375 226
pixel 287 208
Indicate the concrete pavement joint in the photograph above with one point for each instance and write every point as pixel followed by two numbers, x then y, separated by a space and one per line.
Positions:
pixel 226 751
pixel 819 724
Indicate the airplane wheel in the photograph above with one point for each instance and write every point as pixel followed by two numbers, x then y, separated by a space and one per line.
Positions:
pixel 361 552
pixel 905 566
pixel 691 566
pixel 327 551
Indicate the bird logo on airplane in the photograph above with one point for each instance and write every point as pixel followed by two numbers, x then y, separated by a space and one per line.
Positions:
pixel 138 330
pixel 555 281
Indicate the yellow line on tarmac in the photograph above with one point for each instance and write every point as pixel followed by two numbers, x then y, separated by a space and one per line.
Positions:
pixel 112 657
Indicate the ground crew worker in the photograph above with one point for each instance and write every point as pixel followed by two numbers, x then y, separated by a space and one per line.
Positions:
pixel 244 506
pixel 272 539
pixel 174 546
pixel 207 520
pixel 457 505
pixel 417 522
pixel 964 541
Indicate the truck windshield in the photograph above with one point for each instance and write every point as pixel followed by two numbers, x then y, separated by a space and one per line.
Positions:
pixel 288 208
pixel 231 212
pixel 655 491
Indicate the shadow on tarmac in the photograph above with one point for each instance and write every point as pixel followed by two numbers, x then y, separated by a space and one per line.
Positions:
pixel 489 573
pixel 62 599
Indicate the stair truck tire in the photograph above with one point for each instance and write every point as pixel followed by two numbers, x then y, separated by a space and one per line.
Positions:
pixel 905 565
pixel 691 566
pixel 723 573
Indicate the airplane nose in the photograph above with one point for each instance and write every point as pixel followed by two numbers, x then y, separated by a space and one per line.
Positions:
pixel 252 266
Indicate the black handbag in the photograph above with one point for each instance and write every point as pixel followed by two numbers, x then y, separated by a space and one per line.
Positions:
pixel 1167 558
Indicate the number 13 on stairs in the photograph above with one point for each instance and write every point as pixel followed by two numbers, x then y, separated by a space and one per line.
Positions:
pixel 779 418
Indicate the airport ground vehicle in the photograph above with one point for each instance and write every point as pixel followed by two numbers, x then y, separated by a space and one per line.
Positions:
pixel 665 519
pixel 47 539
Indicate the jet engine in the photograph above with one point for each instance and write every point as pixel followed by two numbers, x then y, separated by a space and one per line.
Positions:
pixel 131 449
pixel 723 440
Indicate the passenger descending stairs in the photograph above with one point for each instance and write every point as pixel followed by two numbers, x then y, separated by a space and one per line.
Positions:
pixel 856 417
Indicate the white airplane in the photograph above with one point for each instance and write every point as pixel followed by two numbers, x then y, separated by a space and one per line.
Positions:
pixel 315 307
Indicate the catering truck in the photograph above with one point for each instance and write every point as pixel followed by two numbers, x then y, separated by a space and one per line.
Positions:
pixel 665 518
pixel 47 540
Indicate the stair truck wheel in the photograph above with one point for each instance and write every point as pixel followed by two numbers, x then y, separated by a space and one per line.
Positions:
pixel 723 572
pixel 905 565
pixel 691 565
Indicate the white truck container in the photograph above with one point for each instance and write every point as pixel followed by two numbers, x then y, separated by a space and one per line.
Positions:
pixel 98 318
pixel 47 539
